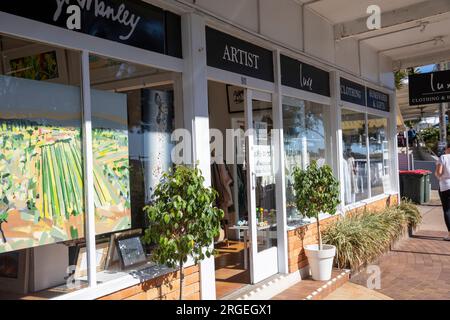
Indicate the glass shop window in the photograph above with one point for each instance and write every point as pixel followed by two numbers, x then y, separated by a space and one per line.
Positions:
pixel 306 138
pixel 41 168
pixel 354 158
pixel 379 155
pixel 132 123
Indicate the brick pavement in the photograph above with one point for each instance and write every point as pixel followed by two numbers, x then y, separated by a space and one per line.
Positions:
pixel 417 267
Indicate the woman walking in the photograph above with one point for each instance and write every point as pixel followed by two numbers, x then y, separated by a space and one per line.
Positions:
pixel 443 175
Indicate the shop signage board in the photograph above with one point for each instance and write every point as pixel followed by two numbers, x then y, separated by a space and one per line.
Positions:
pixel 429 88
pixel 133 23
pixel 232 54
pixel 353 92
pixel 299 75
pixel 378 100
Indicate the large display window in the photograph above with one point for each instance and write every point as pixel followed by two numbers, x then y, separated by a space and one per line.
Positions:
pixel 379 155
pixel 306 128
pixel 365 159
pixel 43 250
pixel 354 161
pixel 41 164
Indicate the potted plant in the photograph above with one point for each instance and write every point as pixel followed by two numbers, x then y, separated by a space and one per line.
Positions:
pixel 316 192
pixel 183 220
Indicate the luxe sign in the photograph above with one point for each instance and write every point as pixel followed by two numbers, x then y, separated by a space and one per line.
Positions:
pixel 228 53
pixel 133 23
pixel 429 88
pixel 299 75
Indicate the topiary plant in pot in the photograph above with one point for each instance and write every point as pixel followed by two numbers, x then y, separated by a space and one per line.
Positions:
pixel 316 192
pixel 183 219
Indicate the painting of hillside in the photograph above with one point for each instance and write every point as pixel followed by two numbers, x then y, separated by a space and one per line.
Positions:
pixel 41 183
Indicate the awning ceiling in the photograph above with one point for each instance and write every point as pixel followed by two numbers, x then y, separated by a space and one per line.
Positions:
pixel 413 33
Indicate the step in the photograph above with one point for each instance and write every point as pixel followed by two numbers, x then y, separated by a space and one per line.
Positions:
pixel 308 289
pixel 267 289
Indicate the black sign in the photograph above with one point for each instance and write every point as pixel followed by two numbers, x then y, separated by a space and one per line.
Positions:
pixel 353 92
pixel 132 22
pixel 305 77
pixel 378 100
pixel 429 88
pixel 232 54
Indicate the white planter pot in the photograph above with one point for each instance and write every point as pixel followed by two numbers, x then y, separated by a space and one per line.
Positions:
pixel 321 261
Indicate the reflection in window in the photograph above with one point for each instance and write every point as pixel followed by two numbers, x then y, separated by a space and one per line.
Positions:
pixel 379 155
pixel 354 156
pixel 305 140
pixel 265 188
pixel 41 166
pixel 132 125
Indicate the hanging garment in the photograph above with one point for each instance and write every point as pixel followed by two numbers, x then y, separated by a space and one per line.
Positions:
pixel 222 181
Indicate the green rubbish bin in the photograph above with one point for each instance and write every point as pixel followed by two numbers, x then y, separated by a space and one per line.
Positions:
pixel 427 186
pixel 412 186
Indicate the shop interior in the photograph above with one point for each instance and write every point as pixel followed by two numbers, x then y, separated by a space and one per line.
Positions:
pixel 226 111
pixel 134 111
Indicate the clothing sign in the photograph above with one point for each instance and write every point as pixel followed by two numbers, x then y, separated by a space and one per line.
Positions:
pixel 299 75
pixel 378 100
pixel 133 23
pixel 429 88
pixel 228 53
pixel 353 92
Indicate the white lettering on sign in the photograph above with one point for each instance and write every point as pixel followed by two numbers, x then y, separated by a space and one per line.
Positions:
pixel 241 57
pixel 351 92
pixel 101 10
pixel 305 81
pixel 438 86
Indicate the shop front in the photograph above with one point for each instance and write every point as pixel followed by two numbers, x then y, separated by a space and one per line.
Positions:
pixel 91 108
pixel 86 125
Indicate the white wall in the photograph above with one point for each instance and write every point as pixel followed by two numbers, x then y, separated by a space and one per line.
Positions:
pixel 288 32
pixel 387 78
pixel 347 55
pixel 369 63
pixel 241 12
pixel 319 37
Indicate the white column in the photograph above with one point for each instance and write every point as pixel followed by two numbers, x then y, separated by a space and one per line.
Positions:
pixel 282 244
pixel 196 118
pixel 88 165
pixel 335 134
pixel 393 146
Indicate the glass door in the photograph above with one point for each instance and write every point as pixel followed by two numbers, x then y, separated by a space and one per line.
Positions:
pixel 261 186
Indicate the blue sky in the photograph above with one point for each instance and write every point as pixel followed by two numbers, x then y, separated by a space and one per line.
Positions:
pixel 427 68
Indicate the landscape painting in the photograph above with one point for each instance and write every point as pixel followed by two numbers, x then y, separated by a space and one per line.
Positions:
pixel 41 167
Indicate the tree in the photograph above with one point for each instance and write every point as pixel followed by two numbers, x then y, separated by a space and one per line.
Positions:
pixel 316 191
pixel 182 219
pixel 401 75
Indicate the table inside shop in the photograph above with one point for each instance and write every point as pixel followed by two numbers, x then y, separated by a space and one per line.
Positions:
pixel 245 230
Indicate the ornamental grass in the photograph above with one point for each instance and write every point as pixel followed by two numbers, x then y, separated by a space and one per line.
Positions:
pixel 361 238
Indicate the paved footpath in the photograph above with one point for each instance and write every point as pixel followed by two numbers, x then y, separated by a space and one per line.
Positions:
pixel 417 267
